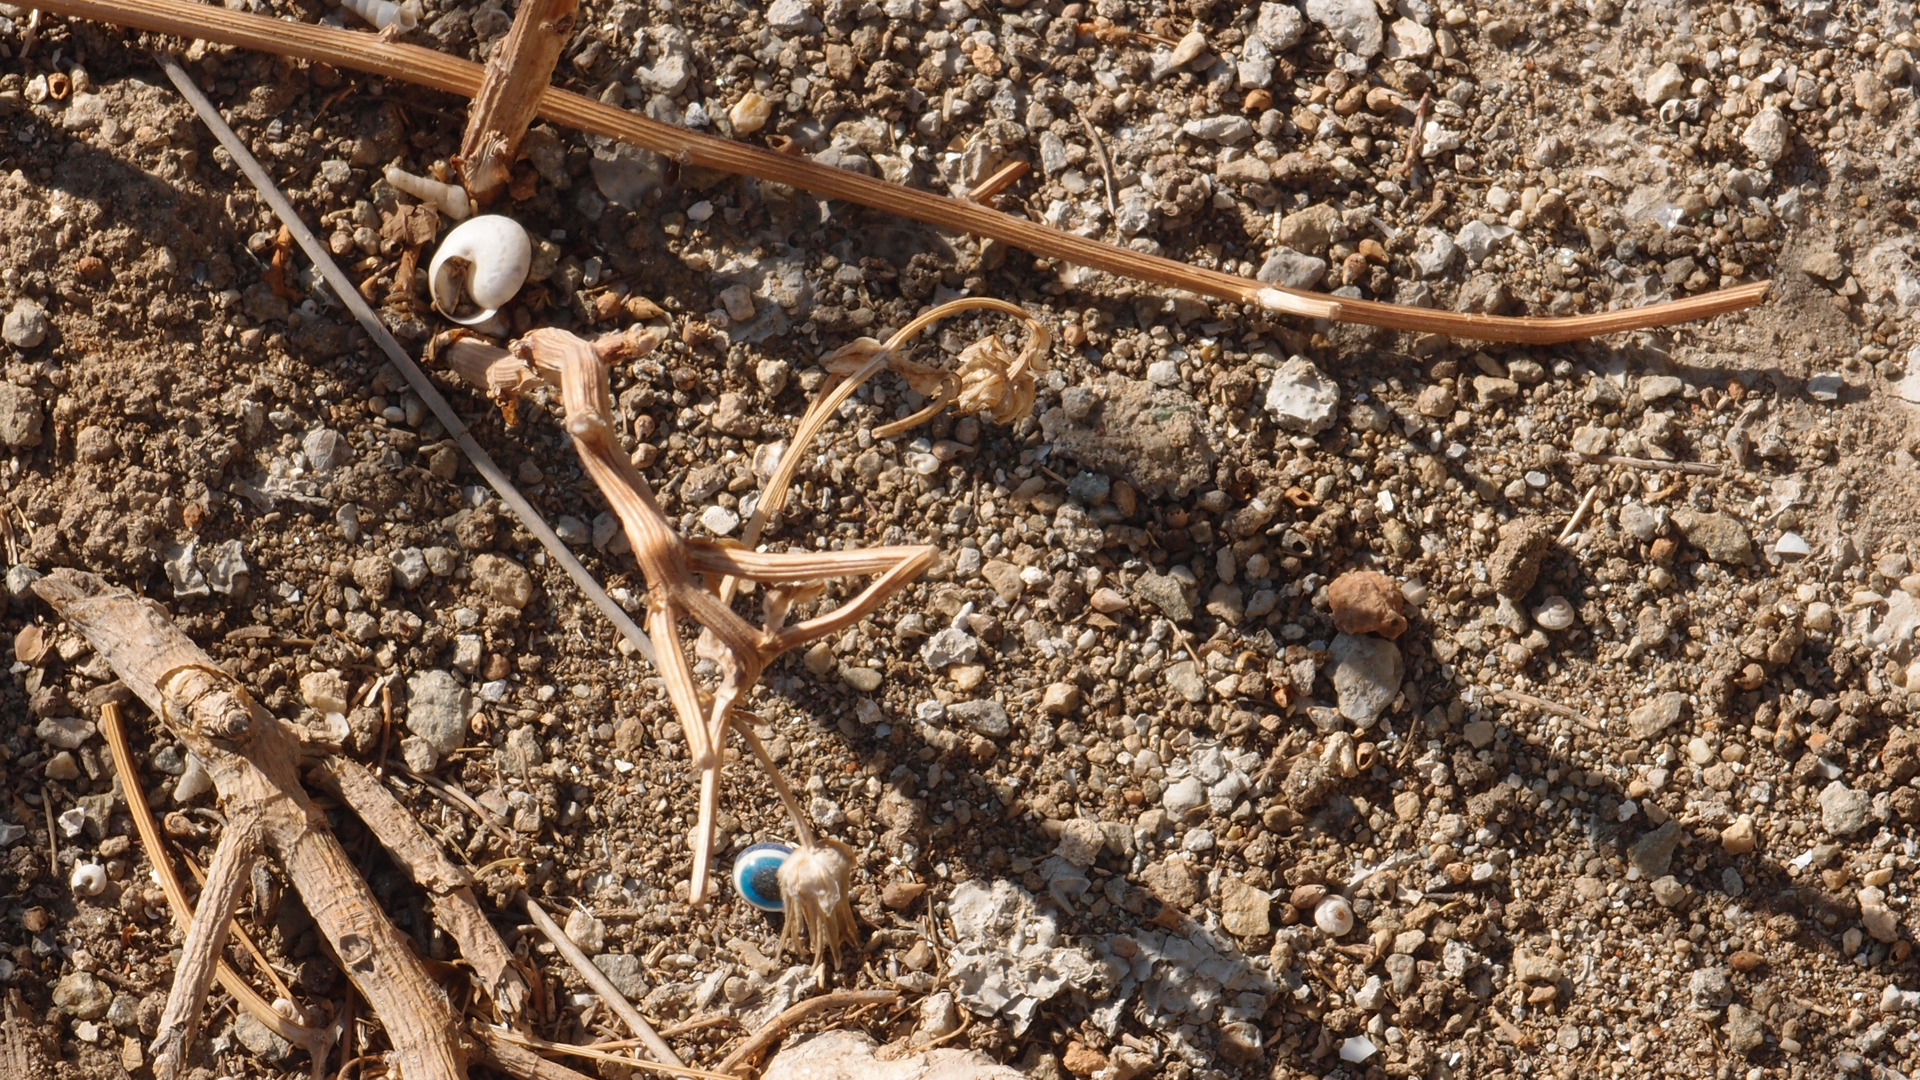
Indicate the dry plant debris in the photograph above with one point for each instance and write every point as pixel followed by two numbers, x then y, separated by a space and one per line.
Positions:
pixel 426 67
pixel 696 579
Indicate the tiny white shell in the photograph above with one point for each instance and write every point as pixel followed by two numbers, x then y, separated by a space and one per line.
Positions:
pixel 487 259
pixel 1554 614
pixel 1333 916
pixel 89 879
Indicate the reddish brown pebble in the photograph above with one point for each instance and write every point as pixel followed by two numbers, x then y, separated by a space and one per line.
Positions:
pixel 900 895
pixel 497 668
pixel 90 267
pixel 1745 961
pixel 1258 101
pixel 1082 1060
pixel 1365 602
pixel 639 307
pixel 1305 897
pixel 1662 550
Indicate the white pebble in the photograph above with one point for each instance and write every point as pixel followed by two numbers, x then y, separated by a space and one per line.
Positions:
pixel 1334 916
pixel 89 879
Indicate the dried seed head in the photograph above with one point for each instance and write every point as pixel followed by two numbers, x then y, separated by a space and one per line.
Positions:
pixel 815 884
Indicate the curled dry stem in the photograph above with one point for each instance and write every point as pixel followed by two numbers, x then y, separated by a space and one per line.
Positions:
pixel 676 569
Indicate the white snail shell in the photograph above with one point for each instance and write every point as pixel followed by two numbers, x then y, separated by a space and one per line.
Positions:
pixel 89 879
pixel 1334 916
pixel 490 255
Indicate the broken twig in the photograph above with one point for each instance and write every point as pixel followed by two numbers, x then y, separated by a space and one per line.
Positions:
pixel 251 757
pixel 521 67
pixel 424 67
pixel 758 1042
pixel 603 986
pixel 1515 697
pixel 315 1041
pixel 1692 468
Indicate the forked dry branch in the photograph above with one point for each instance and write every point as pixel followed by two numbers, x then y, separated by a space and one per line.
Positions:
pixel 253 759
pixel 424 67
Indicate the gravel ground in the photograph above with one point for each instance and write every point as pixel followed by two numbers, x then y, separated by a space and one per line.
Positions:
pixel 1286 699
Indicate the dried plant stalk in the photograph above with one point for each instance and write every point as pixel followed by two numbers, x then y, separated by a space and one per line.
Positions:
pixel 315 1041
pixel 509 94
pixel 672 566
pixel 252 758
pixel 408 63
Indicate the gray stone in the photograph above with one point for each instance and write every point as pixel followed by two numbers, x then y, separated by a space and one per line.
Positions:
pixel 1665 84
pixel 1184 679
pixel 987 718
pixel 1768 136
pixel 259 1039
pixel 1435 254
pixel 1245 911
pixel 521 752
pixel 1165 593
pixel 1285 266
pixel 1225 130
pixel 20 581
pixel 21 416
pixel 789 16
pixel 1719 535
pixel 415 752
pixel 409 567
pixel 1843 810
pixel 437 710
pixel 1183 797
pixel 625 972
pixel 1652 854
pixel 26 325
pixel 1709 989
pixel 1081 840
pixel 65 732
pixel 326 450
pixel 948 647
pixel 1403 973
pixel 80 995
pixel 1279 26
pixel 1657 715
pixel 1301 399
pixel 1353 24
pixel 1366 676
pixel 1639 521
pixel 1746 1033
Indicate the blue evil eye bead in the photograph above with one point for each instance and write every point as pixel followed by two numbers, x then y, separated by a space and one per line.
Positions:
pixel 756 874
